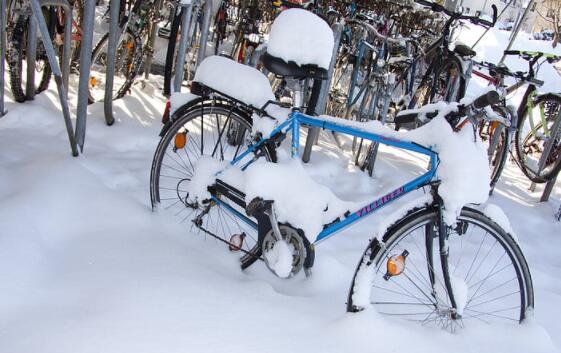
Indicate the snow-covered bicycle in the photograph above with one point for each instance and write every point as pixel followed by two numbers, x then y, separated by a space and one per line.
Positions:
pixel 433 261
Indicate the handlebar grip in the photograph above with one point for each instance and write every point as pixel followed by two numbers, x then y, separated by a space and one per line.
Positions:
pixel 536 82
pixel 512 52
pixel 406 118
pixel 489 98
pixel 424 3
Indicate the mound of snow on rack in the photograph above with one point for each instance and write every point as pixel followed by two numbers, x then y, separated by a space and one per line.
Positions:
pixel 241 82
pixel 300 36
pixel 299 200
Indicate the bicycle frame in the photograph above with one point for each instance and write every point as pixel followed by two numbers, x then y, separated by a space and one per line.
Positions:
pixel 293 123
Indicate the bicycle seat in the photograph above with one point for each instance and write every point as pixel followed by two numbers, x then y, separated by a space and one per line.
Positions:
pixel 464 50
pixel 291 69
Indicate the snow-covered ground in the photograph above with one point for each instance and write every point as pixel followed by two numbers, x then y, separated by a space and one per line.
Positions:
pixel 85 266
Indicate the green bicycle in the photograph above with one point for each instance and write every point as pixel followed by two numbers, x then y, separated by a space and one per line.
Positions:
pixel 537 138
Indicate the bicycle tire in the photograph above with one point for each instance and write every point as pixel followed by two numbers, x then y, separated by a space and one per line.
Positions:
pixel 497 138
pixel 16 55
pixel 499 157
pixel 470 220
pixel 521 142
pixel 172 167
pixel 432 92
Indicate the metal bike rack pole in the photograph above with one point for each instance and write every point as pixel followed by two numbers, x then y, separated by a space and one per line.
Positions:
pixel 488 29
pixel 67 47
pixel 517 29
pixel 207 15
pixel 114 32
pixel 2 54
pixel 313 133
pixel 31 57
pixel 85 63
pixel 47 43
pixel 187 12
pixel 555 131
pixel 65 60
pixel 150 52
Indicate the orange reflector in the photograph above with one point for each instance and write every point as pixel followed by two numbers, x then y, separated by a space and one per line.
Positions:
pixel 180 140
pixel 395 265
pixel 93 81
pixel 130 44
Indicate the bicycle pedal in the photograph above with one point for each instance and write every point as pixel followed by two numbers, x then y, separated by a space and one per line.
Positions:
pixel 236 242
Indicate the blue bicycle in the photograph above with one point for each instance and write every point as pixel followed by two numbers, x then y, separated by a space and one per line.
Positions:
pixel 425 266
pixel 421 269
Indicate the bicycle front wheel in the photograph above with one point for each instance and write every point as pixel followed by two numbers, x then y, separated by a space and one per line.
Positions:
pixel 127 59
pixel 490 279
pixel 446 84
pixel 534 132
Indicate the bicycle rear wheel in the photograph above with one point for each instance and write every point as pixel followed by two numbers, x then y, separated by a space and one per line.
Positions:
pixel 17 60
pixel 531 138
pixel 497 138
pixel 489 276
pixel 206 131
pixel 446 84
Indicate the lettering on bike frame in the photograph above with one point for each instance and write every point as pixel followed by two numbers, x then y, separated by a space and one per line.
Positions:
pixel 293 123
pixel 380 202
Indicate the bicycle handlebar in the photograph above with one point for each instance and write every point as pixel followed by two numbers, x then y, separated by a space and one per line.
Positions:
pixel 372 30
pixel 458 16
pixel 485 100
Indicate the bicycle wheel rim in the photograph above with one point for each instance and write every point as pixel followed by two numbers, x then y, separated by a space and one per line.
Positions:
pixel 510 291
pixel 171 171
pixel 530 142
pixel 125 56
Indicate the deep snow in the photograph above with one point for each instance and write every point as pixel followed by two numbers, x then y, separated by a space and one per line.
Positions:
pixel 85 266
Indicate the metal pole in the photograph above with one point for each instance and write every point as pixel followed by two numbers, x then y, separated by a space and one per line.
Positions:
pixel 31 55
pixel 47 43
pixel 554 133
pixel 204 32
pixel 313 133
pixel 150 52
pixel 498 18
pixel 548 189
pixel 85 63
pixel 114 32
pixel 186 13
pixel 67 47
pixel 517 30
pixel 2 54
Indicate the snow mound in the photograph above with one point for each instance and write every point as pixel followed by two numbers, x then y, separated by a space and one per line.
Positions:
pixel 279 258
pixel 498 216
pixel 238 81
pixel 302 37
pixel 178 99
pixel 206 169
pixel 299 200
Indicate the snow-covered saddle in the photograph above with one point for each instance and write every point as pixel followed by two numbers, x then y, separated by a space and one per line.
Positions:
pixel 237 81
pixel 300 46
